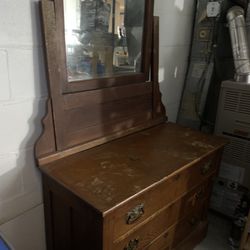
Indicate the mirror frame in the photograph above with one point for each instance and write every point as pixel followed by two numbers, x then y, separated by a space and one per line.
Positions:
pixel 102 82
pixel 82 116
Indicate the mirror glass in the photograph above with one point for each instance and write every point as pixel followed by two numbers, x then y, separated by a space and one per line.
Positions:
pixel 103 37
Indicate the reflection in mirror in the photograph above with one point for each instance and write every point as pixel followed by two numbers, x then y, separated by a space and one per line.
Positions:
pixel 103 37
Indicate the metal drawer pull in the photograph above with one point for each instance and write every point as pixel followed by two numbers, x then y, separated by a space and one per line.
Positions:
pixel 206 168
pixel 135 214
pixel 132 245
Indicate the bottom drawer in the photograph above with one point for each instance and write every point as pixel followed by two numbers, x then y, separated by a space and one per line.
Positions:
pixel 181 232
pixel 163 242
pixel 188 225
pixel 142 237
pixel 147 235
pixel 194 238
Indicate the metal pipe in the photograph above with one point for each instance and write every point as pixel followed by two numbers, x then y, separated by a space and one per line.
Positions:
pixel 237 28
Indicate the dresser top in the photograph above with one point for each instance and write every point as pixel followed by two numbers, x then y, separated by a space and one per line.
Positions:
pixel 107 175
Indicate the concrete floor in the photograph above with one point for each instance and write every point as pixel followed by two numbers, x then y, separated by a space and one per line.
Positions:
pixel 218 234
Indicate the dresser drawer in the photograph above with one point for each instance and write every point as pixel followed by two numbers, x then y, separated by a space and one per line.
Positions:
pixel 194 238
pixel 144 205
pixel 148 232
pixel 163 242
pixel 188 225
pixel 163 220
pixel 191 202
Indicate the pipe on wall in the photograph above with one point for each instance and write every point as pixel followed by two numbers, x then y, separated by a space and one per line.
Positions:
pixel 237 28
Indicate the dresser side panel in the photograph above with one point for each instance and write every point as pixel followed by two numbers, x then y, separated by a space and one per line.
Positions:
pixel 70 222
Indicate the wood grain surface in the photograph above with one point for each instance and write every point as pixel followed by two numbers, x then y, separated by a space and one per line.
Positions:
pixel 108 175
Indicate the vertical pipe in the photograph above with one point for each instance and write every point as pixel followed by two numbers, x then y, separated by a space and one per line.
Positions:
pixel 237 28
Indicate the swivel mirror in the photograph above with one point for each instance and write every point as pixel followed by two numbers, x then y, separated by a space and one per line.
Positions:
pixel 103 38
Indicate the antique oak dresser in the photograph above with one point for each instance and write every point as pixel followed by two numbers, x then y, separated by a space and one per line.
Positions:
pixel 116 175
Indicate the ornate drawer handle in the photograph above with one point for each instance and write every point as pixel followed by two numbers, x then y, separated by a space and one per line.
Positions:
pixel 135 214
pixel 206 168
pixel 132 245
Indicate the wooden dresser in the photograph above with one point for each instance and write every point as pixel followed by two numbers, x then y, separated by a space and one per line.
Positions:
pixel 116 176
pixel 149 190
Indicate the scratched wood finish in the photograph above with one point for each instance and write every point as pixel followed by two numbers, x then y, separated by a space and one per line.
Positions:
pixel 161 167
pixel 116 171
pixel 73 224
pixel 172 189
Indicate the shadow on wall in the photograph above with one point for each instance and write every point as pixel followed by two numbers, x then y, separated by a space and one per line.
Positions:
pixel 176 21
pixel 21 220
pixel 23 179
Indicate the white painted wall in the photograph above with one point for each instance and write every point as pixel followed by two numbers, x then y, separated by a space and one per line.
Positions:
pixel 176 20
pixel 22 103
pixel 22 92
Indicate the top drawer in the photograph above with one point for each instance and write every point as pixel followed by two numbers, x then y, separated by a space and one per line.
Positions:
pixel 142 206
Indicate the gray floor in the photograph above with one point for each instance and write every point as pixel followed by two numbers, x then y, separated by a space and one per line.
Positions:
pixel 218 234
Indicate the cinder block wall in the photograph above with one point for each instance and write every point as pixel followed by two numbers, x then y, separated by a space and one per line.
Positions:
pixel 22 105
